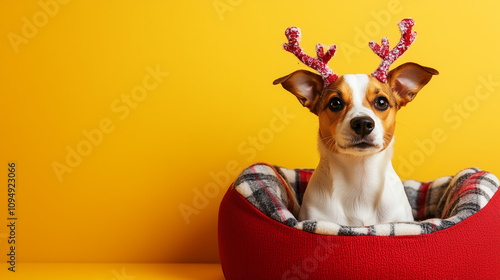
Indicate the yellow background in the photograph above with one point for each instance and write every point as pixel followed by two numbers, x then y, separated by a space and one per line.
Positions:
pixel 213 114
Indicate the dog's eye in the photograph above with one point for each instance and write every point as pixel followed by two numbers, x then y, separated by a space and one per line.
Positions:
pixel 381 103
pixel 336 104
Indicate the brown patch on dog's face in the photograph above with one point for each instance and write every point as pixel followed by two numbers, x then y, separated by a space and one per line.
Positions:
pixel 357 113
pixel 337 100
pixel 337 94
pixel 382 101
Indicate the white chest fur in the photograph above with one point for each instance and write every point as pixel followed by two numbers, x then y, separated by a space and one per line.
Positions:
pixel 355 191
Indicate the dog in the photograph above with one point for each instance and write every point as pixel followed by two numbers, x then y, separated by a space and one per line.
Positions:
pixel 355 183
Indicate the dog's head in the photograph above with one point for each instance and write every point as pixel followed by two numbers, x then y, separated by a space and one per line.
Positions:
pixel 357 113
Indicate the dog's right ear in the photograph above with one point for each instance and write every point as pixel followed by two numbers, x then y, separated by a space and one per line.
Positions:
pixel 305 85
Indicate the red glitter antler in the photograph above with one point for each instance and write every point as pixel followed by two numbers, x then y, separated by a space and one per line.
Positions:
pixel 319 64
pixel 388 57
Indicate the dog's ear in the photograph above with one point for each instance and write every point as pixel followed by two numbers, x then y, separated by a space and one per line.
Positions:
pixel 408 79
pixel 305 85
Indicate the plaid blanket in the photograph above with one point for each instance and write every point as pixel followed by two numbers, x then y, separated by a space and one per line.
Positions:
pixel 277 192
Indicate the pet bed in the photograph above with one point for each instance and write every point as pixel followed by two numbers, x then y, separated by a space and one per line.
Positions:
pixel 456 234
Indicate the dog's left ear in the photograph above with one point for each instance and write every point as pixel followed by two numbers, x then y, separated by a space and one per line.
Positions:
pixel 408 79
pixel 305 85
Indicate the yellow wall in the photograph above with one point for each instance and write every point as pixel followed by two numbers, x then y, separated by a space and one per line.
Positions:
pixel 119 114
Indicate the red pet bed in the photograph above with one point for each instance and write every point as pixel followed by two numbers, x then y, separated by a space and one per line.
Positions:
pixel 456 236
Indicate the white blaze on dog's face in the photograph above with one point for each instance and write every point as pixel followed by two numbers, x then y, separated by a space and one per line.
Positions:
pixel 357 113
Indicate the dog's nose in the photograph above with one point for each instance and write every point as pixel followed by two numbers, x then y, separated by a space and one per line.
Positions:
pixel 362 125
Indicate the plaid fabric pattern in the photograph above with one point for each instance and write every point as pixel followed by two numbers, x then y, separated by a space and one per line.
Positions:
pixel 277 192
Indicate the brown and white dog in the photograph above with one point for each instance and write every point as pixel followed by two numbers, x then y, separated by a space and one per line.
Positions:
pixel 355 183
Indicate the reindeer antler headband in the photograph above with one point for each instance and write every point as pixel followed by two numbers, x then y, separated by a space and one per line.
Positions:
pixel 320 64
